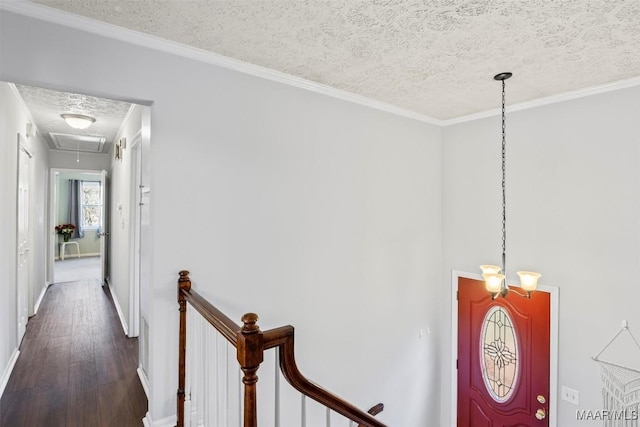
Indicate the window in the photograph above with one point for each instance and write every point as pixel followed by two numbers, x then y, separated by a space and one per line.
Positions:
pixel 91 205
pixel 499 347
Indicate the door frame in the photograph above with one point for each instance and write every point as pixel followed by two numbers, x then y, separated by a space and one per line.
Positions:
pixel 105 229
pixel 53 202
pixel 135 184
pixel 554 295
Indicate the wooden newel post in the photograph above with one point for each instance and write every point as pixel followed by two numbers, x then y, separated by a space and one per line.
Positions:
pixel 250 356
pixel 184 283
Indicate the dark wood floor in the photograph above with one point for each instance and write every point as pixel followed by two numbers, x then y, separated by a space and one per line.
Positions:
pixel 76 366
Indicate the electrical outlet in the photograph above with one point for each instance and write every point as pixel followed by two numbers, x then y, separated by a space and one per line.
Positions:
pixel 570 395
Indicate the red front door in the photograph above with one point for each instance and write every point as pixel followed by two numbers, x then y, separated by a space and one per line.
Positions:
pixel 503 358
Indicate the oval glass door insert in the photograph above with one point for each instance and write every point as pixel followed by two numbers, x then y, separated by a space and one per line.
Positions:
pixel 499 354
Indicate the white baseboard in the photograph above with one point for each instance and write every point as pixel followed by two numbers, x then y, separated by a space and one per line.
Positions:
pixel 169 421
pixel 39 300
pixel 143 380
pixel 74 256
pixel 8 369
pixel 123 321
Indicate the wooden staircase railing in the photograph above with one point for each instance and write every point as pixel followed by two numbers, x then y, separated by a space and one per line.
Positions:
pixel 250 343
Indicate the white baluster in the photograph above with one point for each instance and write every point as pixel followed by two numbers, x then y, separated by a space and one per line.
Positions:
pixel 277 390
pixel 196 357
pixel 218 416
pixel 210 384
pixel 227 392
pixel 328 417
pixel 232 394
pixel 206 386
pixel 201 373
pixel 303 411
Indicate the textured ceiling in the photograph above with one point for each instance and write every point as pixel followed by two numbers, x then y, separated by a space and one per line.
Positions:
pixel 433 57
pixel 46 106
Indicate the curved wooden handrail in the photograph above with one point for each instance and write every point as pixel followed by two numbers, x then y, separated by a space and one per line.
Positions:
pixel 251 342
pixel 223 324
pixel 375 410
pixel 283 338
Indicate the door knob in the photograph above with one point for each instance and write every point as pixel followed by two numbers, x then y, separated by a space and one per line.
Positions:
pixel 541 414
pixel 541 399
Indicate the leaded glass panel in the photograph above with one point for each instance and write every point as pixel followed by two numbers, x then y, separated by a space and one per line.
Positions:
pixel 499 354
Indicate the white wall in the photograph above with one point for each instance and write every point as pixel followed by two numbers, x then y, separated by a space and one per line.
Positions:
pixel 13 120
pixel 306 209
pixel 573 207
pixel 88 161
pixel 120 230
pixel 10 118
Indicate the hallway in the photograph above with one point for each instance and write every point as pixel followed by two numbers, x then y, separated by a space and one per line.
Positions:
pixel 76 366
pixel 75 269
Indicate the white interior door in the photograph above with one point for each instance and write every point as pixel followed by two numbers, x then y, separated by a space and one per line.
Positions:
pixel 24 247
pixel 104 233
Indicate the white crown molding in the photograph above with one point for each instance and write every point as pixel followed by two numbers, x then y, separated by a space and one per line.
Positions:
pixel 553 99
pixel 124 123
pixel 111 31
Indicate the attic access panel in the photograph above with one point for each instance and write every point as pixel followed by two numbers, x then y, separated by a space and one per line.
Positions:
pixel 83 143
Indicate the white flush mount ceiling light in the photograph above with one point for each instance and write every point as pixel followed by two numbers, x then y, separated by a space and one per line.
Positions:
pixel 78 121
pixel 495 276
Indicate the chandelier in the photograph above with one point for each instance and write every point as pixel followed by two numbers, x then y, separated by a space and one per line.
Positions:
pixel 495 276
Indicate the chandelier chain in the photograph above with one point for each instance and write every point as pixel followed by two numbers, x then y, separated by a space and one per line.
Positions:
pixel 504 173
pixel 495 278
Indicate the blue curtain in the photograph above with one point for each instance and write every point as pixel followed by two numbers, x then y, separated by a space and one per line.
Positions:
pixel 75 207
